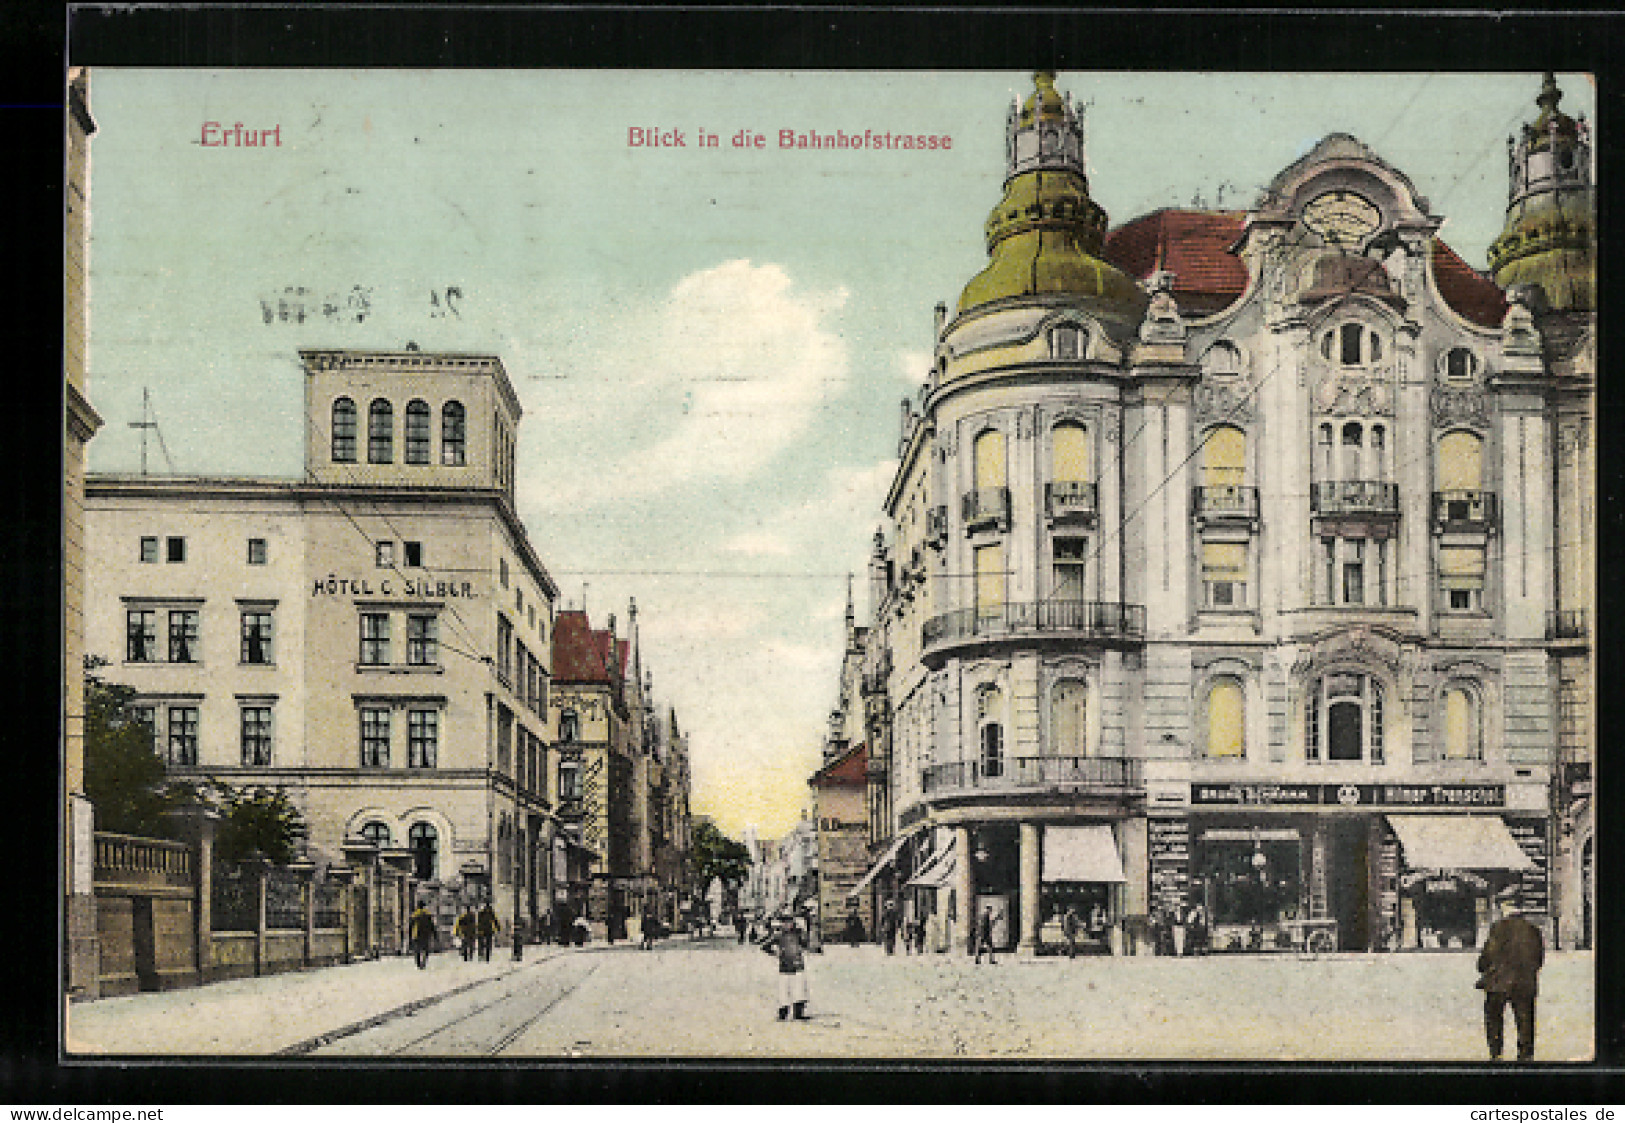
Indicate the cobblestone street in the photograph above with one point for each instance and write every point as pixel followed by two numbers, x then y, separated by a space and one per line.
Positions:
pixel 717 999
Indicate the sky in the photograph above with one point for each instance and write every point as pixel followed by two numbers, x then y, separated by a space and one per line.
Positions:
pixel 709 344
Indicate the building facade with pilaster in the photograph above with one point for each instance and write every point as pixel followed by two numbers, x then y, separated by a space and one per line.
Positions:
pixel 1220 573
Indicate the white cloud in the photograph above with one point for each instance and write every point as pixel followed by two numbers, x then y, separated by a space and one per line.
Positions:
pixel 713 382
pixel 914 366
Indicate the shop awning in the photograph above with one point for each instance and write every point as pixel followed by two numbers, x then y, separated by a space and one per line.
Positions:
pixel 938 872
pixel 880 865
pixel 1081 854
pixel 1458 842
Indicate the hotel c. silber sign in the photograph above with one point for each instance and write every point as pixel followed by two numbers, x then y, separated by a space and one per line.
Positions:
pixel 1349 795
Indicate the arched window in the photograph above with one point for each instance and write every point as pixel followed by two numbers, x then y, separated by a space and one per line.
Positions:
pixel 453 435
pixel 1353 448
pixel 1460 364
pixel 1222 360
pixel 1460 465
pixel 1224 458
pixel 1226 731
pixel 988 457
pixel 380 432
pixel 1068 719
pixel 424 842
pixel 1069 453
pixel 1462 728
pixel 1344 718
pixel 417 431
pixel 990 731
pixel 344 431
pixel 376 832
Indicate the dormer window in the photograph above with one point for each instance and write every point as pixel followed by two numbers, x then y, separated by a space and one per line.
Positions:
pixel 1066 342
pixel 1223 360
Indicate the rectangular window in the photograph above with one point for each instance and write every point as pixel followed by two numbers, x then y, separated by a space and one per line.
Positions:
pixel 149 549
pixel 177 549
pixel 374 737
pixel 1328 561
pixel 142 630
pixel 502 571
pixel 374 638
pixel 1461 578
pixel 1380 553
pixel 1224 574
pixel 422 738
pixel 256 551
pixel 504 740
pixel 182 735
pixel 504 649
pixel 569 780
pixel 1071 565
pixel 183 645
pixel 256 636
pixel 422 641
pixel 990 582
pixel 383 554
pixel 414 553
pixel 1354 571
pixel 256 726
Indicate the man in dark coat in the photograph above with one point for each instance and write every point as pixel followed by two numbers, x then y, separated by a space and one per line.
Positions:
pixel 420 933
pixel 464 929
pixel 984 936
pixel 486 929
pixel 1510 961
pixel 888 927
pixel 1070 925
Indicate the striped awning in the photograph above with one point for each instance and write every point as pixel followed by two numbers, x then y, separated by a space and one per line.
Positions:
pixel 939 871
pixel 881 864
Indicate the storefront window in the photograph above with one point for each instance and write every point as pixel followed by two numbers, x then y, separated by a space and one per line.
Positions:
pixel 1253 883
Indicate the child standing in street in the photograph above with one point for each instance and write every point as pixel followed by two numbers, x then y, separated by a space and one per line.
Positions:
pixel 787 943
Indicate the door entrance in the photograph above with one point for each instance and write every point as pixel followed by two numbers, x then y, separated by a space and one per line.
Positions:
pixel 1348 882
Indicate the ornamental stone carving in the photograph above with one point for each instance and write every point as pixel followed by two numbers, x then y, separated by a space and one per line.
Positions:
pixel 1343 394
pixel 1110 422
pixel 1451 407
pixel 1217 402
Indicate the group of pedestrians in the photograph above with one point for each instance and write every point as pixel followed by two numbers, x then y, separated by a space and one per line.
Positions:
pixel 910 930
pixel 473 931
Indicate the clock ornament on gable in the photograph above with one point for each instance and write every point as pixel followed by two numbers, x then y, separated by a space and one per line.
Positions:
pixel 1342 218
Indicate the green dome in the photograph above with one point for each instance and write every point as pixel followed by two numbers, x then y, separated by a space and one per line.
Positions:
pixel 1043 238
pixel 1548 242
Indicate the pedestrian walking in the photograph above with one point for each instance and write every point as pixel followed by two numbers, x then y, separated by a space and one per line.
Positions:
pixel 486 929
pixel 463 931
pixel 854 926
pixel 1070 924
pixel 984 936
pixel 1196 922
pixel 740 924
pixel 919 936
pixel 1510 963
pixel 888 927
pixel 648 929
pixel 787 943
pixel 421 934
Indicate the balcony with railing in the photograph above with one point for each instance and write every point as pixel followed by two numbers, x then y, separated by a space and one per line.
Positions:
pixel 1106 621
pixel 1100 774
pixel 1225 503
pixel 1463 511
pixel 1354 497
pixel 986 508
pixel 1568 623
pixel 1071 500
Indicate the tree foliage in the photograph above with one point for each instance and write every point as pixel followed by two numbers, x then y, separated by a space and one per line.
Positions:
pixel 126 781
pixel 124 776
pixel 714 854
pixel 262 821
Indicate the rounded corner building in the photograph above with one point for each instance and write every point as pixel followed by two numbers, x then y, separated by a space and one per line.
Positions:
pixel 1219 599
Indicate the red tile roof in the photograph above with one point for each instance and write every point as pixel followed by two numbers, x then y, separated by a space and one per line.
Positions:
pixel 1193 245
pixel 1470 293
pixel 849 770
pixel 581 654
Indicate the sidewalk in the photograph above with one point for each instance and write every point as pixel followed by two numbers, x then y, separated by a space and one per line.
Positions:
pixel 261 1016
